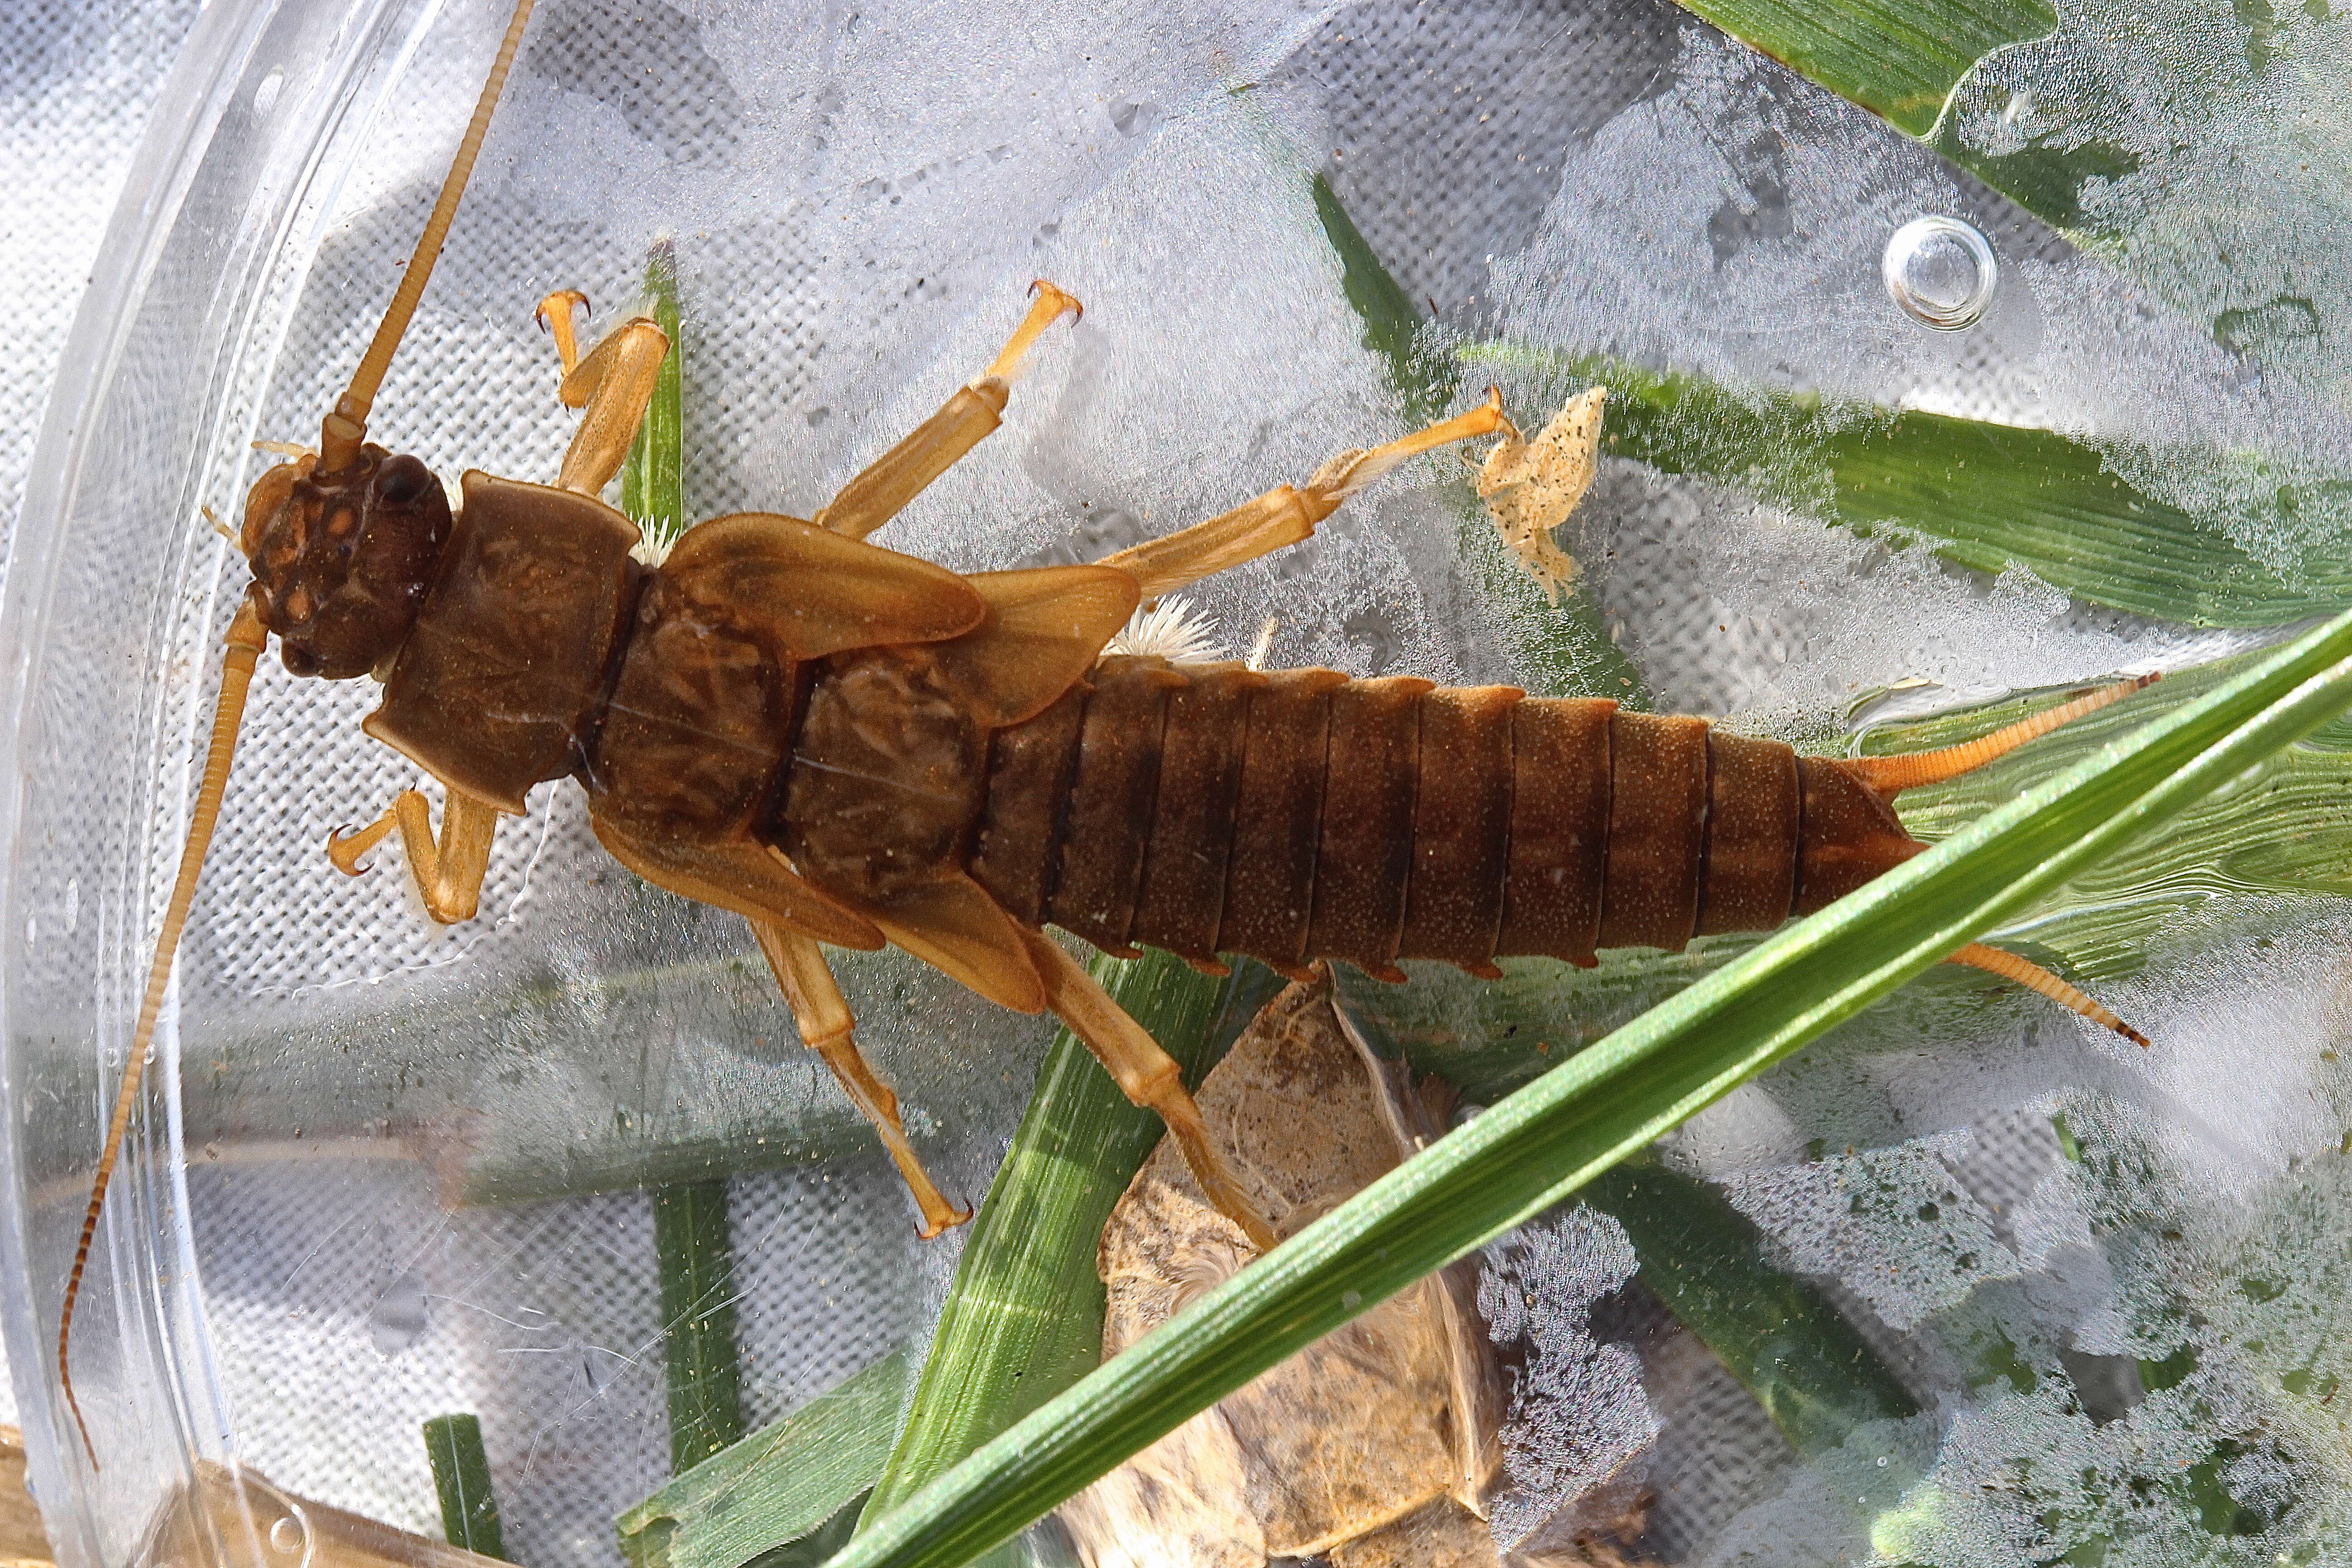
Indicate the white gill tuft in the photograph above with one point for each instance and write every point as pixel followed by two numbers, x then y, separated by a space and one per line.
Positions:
pixel 1171 628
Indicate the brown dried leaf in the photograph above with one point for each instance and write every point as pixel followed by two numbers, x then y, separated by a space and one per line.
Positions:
pixel 1360 1429
pixel 1531 486
pixel 24 1543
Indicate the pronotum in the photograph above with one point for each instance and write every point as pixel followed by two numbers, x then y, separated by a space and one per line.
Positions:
pixel 847 745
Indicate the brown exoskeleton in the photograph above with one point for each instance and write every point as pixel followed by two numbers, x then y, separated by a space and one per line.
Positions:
pixel 851 746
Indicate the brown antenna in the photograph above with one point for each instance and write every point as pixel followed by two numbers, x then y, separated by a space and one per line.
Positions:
pixel 345 429
pixel 247 638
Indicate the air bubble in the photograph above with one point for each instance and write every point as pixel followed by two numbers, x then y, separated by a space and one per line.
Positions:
pixel 1941 271
pixel 285 1535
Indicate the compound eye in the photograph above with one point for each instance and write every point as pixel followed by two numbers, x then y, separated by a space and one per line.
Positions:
pixel 402 480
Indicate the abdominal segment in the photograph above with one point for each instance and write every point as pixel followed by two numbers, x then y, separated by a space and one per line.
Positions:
pixel 1297 815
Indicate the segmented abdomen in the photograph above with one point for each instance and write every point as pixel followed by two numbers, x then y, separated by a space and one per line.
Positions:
pixel 1297 815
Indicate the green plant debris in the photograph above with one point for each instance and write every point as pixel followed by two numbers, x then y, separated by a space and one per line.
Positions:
pixel 1544 1141
pixel 1779 1335
pixel 1561 650
pixel 698 1303
pixel 650 490
pixel 1992 496
pixel 1023 1317
pixel 1902 62
pixel 461 1475
pixel 782 1484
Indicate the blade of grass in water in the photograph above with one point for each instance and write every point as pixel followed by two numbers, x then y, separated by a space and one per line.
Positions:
pixel 1558 1132
pixel 1024 1318
pixel 1901 59
pixel 1909 63
pixel 703 1377
pixel 778 1486
pixel 1992 495
pixel 650 490
pixel 697 1260
pixel 1776 1334
pixel 461 1475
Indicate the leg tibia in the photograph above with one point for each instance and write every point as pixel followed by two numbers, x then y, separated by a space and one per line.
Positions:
pixel 1286 516
pixel 1148 1077
pixel 823 1015
pixel 963 421
pixel 907 469
pixel 449 874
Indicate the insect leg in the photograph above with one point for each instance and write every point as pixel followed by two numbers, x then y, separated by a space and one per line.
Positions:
pixel 899 475
pixel 615 383
pixel 556 313
pixel 1286 516
pixel 825 1026
pixel 449 874
pixel 1147 1074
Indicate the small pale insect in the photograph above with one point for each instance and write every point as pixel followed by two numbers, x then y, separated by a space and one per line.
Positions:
pixel 1530 488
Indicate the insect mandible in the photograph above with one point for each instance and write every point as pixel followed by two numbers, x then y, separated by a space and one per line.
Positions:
pixel 848 745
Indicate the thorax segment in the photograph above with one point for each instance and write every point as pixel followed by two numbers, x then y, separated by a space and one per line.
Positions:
pixel 507 664
pixel 887 775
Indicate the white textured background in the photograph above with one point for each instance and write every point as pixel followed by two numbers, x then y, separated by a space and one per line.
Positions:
pixel 76 81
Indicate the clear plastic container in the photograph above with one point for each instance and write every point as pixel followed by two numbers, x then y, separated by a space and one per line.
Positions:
pixel 334 1082
pixel 384 1171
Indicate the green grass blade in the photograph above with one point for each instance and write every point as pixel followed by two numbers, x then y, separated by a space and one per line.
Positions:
pixel 1776 1334
pixel 780 1485
pixel 1541 1143
pixel 461 1475
pixel 1023 1317
pixel 1901 59
pixel 1779 1335
pixel 697 1260
pixel 1425 383
pixel 650 490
